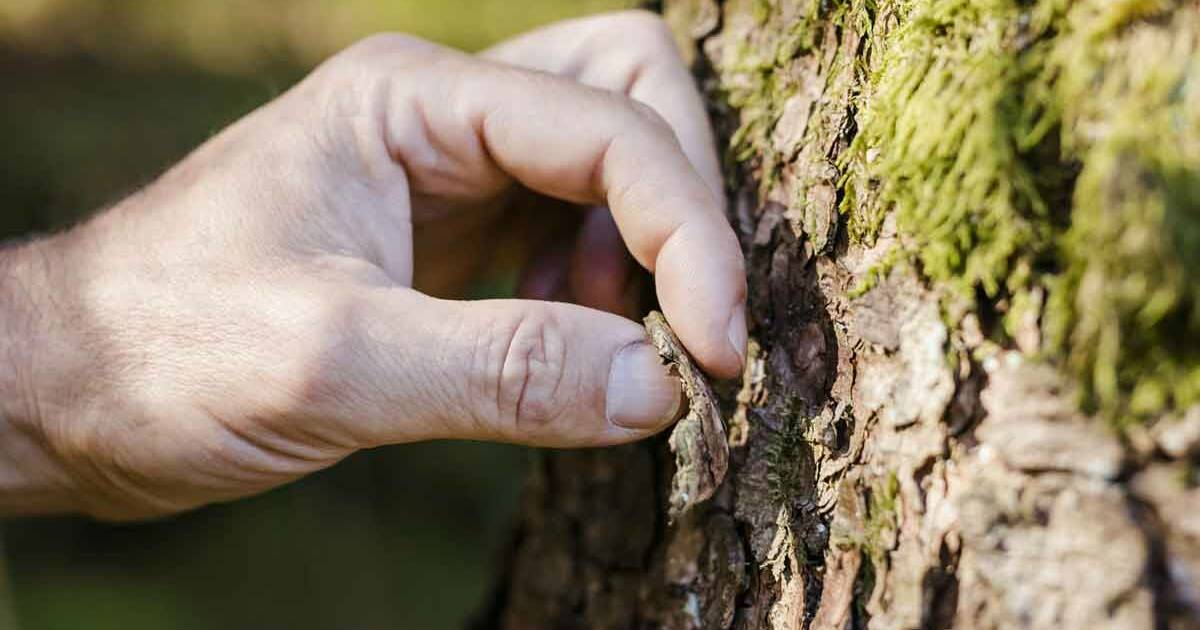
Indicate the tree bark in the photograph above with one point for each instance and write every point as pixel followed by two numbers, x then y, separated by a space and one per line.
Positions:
pixel 909 445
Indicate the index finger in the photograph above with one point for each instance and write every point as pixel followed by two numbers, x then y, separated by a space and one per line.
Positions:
pixel 647 67
pixel 583 145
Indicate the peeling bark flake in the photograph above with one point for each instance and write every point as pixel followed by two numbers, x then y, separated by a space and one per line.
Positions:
pixel 699 442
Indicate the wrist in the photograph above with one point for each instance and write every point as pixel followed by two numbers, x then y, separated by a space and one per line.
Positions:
pixel 31 478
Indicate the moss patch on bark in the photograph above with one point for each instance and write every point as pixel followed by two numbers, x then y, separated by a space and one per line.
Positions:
pixel 1041 160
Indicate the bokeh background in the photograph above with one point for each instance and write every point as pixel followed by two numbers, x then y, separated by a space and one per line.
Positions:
pixel 96 98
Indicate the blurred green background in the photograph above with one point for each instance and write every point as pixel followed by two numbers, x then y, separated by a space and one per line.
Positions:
pixel 96 98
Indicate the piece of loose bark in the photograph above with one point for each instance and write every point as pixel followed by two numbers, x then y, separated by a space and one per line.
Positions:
pixel 698 440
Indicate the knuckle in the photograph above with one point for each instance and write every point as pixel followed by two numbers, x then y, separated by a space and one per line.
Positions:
pixel 649 34
pixel 375 58
pixel 650 40
pixel 382 45
pixel 647 26
pixel 651 121
pixel 527 367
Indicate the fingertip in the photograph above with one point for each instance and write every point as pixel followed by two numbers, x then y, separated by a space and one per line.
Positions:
pixel 728 366
pixel 717 345
pixel 701 285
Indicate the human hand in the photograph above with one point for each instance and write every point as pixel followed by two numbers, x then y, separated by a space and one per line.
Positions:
pixel 251 316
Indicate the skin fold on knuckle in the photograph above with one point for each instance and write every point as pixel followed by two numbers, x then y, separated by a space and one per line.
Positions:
pixel 364 79
pixel 524 375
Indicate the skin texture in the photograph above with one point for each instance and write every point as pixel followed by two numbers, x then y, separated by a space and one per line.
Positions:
pixel 286 294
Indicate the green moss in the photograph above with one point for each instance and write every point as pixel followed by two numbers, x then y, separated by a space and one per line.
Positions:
pixel 758 100
pixel 754 83
pixel 791 469
pixel 892 260
pixel 1047 147
pixel 755 74
pixel 1126 310
pixel 874 543
pixel 882 516
pixel 1041 160
pixel 873 531
pixel 945 137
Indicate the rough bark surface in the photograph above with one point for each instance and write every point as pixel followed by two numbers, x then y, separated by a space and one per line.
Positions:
pixel 890 466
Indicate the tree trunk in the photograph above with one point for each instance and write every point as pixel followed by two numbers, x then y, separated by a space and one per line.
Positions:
pixel 973 236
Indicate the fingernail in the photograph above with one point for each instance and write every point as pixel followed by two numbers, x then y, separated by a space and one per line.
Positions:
pixel 642 394
pixel 737 332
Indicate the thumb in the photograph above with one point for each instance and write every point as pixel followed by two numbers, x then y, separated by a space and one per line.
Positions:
pixel 528 372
